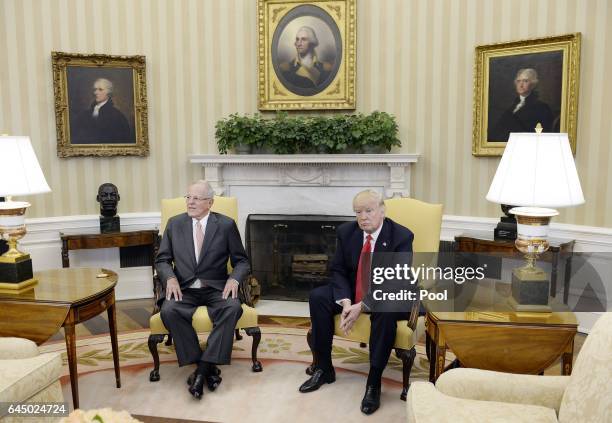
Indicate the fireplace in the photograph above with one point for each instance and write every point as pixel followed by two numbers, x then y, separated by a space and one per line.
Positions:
pixel 291 254
pixel 295 202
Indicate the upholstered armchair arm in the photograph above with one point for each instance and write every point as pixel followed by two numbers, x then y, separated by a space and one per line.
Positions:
pixel 426 404
pixel 485 385
pixel 14 348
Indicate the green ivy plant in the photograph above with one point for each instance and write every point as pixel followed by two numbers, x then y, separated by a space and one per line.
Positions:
pixel 286 134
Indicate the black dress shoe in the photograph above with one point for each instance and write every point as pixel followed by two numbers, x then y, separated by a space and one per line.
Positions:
pixel 213 382
pixel 318 378
pixel 197 387
pixel 215 372
pixel 371 400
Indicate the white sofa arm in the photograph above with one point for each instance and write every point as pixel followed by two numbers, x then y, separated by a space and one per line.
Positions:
pixel 426 404
pixel 546 391
pixel 11 348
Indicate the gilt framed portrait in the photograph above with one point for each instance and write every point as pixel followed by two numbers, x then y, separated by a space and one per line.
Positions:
pixel 520 84
pixel 100 105
pixel 306 54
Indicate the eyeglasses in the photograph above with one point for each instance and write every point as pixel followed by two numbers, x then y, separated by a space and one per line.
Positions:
pixel 195 198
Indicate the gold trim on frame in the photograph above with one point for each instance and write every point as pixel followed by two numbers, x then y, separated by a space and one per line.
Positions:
pixel 60 61
pixel 340 93
pixel 570 46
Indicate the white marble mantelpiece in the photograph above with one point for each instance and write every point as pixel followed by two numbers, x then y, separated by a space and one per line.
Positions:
pixel 304 183
pixel 397 182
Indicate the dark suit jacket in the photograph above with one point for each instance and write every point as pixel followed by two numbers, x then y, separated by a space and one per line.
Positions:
pixel 109 127
pixel 176 256
pixel 525 119
pixel 393 237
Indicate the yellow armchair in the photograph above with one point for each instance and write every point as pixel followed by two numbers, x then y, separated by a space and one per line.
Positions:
pixel 201 321
pixel 425 221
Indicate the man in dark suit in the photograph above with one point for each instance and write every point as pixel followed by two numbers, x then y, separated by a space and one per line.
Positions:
pixel 102 122
pixel 525 112
pixel 306 70
pixel 192 265
pixel 372 232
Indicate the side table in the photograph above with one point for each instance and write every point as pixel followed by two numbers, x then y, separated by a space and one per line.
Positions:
pixel 62 298
pixel 483 242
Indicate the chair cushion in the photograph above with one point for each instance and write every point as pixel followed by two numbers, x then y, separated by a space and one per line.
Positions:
pixel 426 404
pixel 17 348
pixel 588 396
pixel 202 323
pixel 404 336
pixel 22 378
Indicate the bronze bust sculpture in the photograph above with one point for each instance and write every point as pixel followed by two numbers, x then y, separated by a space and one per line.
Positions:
pixel 108 197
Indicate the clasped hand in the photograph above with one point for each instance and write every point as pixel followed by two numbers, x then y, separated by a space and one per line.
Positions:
pixel 349 316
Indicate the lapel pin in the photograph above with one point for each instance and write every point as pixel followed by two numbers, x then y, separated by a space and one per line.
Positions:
pixel 384 244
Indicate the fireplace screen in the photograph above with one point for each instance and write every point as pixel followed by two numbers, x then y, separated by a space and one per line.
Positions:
pixel 290 255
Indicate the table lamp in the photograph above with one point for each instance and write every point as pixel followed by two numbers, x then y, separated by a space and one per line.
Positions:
pixel 20 174
pixel 537 173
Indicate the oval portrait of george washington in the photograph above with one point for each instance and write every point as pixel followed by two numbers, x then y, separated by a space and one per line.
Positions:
pixel 306 50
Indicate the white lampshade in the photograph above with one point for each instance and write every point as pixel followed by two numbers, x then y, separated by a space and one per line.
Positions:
pixel 20 173
pixel 537 170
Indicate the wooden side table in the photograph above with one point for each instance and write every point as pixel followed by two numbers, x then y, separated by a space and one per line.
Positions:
pixel 487 334
pixel 62 298
pixel 483 242
pixel 95 239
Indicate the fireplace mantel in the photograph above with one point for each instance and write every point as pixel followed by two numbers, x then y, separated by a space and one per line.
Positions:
pixel 309 170
pixel 304 183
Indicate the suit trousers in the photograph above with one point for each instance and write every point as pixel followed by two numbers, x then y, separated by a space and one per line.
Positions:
pixel 323 308
pixel 177 317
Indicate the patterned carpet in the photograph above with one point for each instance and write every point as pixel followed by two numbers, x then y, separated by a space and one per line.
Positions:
pixel 284 354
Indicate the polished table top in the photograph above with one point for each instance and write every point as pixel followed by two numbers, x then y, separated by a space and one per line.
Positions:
pixel 488 301
pixel 70 285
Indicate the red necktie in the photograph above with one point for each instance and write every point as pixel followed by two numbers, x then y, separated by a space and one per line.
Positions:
pixel 363 268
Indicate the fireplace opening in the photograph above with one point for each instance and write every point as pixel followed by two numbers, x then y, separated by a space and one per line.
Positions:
pixel 291 254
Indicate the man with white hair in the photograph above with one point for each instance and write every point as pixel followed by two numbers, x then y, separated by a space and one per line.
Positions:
pixel 525 112
pixel 192 266
pixel 102 122
pixel 372 232
pixel 306 70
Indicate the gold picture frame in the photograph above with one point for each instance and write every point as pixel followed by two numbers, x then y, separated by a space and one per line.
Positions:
pixel 549 77
pixel 100 105
pixel 326 29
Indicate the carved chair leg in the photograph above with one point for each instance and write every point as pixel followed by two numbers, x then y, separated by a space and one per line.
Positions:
pixel 238 336
pixel 310 369
pixel 428 346
pixel 256 334
pixel 169 340
pixel 407 357
pixel 153 341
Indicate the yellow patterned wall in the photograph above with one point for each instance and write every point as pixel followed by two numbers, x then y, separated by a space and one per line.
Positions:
pixel 414 59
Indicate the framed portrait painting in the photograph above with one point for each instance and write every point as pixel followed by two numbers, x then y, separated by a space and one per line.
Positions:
pixel 520 84
pixel 306 54
pixel 100 105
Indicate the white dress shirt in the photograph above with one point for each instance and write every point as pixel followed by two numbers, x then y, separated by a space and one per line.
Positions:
pixel 203 223
pixel 374 236
pixel 96 110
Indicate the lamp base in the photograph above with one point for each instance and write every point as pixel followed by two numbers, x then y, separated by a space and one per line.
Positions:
pixel 530 288
pixel 15 269
pixel 17 288
pixel 109 224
